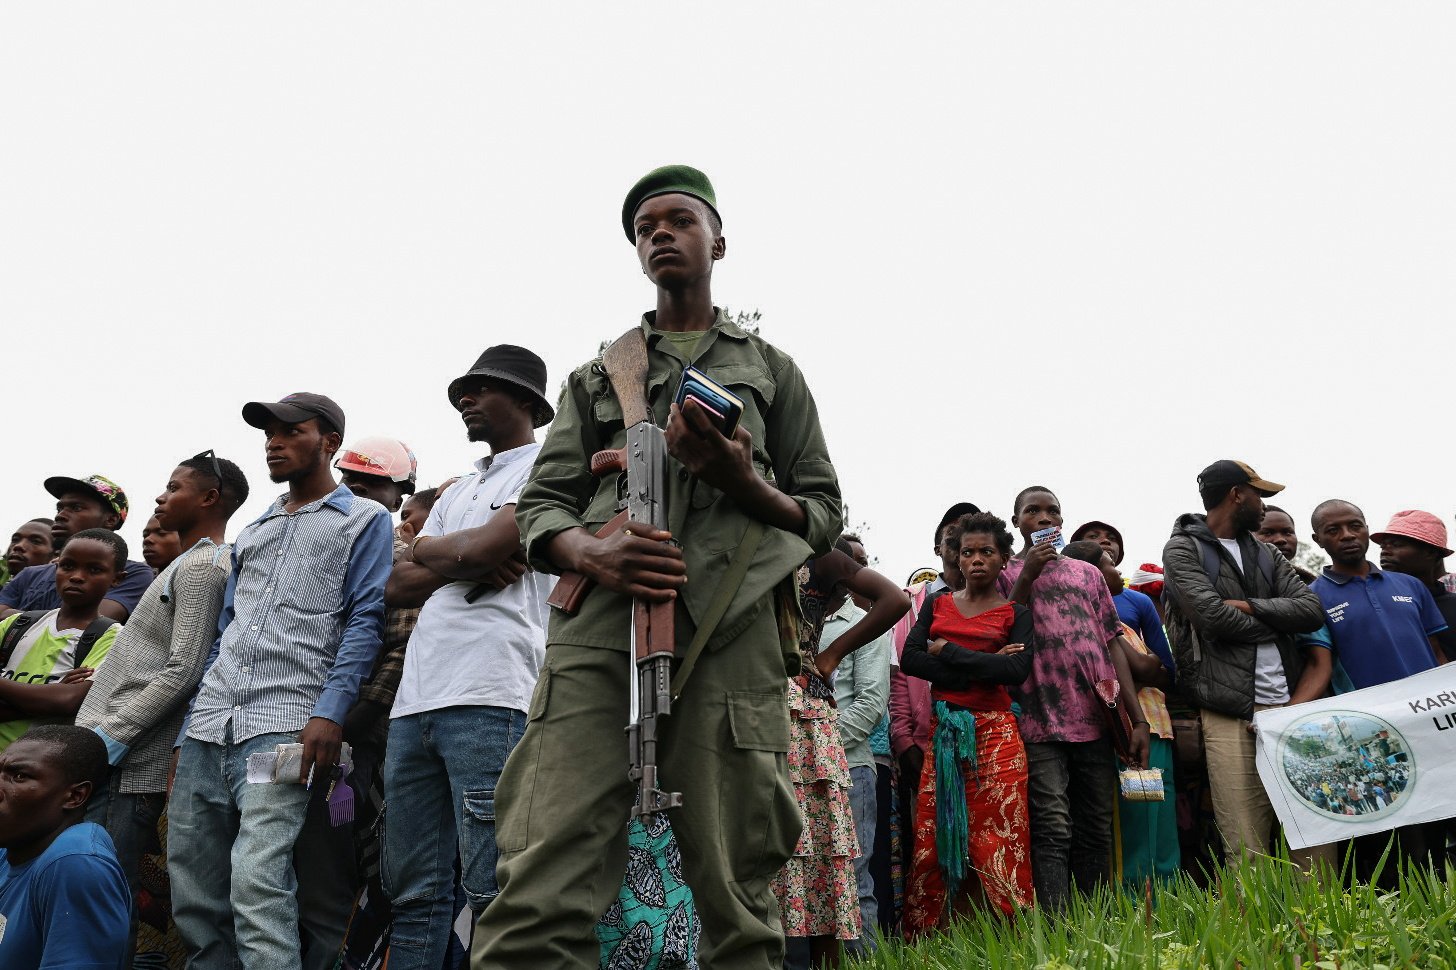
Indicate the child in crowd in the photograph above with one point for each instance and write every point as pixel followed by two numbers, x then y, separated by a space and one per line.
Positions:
pixel 971 817
pixel 38 649
pixel 1149 830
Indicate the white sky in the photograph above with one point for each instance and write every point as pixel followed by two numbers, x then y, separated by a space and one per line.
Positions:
pixel 1090 245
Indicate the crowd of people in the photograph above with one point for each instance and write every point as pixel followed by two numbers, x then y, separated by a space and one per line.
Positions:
pixel 342 737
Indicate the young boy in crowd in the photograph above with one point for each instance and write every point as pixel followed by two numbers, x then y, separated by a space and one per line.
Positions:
pixel 138 698
pixel 37 649
pixel 1072 779
pixel 1149 830
pixel 564 798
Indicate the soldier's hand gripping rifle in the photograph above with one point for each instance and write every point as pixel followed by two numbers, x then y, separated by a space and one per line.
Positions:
pixel 644 462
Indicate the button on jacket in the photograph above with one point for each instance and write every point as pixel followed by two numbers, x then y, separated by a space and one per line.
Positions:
pixel 301 621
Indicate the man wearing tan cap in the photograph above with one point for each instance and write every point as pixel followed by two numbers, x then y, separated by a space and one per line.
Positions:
pixel 1233 609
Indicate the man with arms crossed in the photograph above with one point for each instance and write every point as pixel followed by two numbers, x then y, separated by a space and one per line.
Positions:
pixel 470 667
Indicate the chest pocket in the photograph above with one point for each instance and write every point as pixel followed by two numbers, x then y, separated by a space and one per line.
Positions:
pixel 316 583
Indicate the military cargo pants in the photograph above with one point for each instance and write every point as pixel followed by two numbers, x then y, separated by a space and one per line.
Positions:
pixel 564 798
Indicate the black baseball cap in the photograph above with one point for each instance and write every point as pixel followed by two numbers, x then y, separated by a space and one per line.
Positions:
pixel 1230 472
pixel 955 512
pixel 294 408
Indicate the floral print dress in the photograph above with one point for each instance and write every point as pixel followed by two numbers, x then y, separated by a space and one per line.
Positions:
pixel 816 889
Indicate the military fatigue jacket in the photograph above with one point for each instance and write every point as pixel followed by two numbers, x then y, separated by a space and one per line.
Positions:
pixel 788 450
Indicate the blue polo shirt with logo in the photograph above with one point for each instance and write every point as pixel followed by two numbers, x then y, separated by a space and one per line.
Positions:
pixel 1379 624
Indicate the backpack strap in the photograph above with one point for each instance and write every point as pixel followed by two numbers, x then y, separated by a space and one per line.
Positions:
pixel 1266 565
pixel 1264 562
pixel 1210 561
pixel 89 636
pixel 23 621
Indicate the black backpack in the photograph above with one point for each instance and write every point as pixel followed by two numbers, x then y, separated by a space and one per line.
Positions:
pixel 26 620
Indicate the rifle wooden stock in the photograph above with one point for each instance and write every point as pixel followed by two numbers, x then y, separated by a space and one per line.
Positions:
pixel 572 587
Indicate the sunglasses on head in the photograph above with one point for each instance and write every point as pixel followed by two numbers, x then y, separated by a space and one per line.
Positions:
pixel 211 456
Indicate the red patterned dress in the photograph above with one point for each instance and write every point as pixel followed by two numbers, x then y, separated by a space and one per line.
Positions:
pixel 968 681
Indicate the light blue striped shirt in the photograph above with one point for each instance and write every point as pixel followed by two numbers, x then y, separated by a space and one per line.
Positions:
pixel 302 619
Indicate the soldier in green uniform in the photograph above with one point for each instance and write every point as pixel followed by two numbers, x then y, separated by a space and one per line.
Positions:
pixel 563 800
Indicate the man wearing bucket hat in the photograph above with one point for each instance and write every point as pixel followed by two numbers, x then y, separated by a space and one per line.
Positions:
pixel 748 510
pixel 93 502
pixel 1233 610
pixel 299 630
pixel 1415 543
pixel 471 665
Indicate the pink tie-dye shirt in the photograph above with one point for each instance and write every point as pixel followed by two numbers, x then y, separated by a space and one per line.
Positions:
pixel 1075 620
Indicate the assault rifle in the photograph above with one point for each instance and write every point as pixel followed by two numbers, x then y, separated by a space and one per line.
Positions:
pixel 643 462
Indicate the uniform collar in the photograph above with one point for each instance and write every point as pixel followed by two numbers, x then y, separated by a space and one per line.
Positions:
pixel 722 324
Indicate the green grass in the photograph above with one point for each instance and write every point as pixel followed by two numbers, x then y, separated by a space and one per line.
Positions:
pixel 1261 914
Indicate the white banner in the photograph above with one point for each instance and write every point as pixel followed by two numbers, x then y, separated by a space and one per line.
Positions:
pixel 1368 761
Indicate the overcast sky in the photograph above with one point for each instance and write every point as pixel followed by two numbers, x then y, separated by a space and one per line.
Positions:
pixel 1088 245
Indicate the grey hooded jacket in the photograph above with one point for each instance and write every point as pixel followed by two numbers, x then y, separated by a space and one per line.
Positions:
pixel 1216 645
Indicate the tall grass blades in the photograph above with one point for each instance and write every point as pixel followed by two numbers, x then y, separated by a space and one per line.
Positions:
pixel 1261 913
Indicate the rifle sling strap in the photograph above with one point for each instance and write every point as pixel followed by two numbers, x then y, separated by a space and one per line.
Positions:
pixel 728 588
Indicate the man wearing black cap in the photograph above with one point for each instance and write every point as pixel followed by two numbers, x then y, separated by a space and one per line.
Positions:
pixel 300 628
pixel 472 663
pixel 1233 610
pixel 93 502
pixel 764 500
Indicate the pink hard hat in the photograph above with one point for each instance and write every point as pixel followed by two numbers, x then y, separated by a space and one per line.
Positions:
pixel 1417 525
pixel 386 457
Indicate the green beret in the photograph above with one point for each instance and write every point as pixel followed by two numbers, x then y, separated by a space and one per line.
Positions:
pixel 661 181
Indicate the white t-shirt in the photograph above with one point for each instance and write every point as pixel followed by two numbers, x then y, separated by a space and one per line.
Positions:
pixel 1270 684
pixel 487 653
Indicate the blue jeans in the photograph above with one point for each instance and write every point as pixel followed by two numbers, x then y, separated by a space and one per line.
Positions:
pixel 230 856
pixel 440 774
pixel 864 803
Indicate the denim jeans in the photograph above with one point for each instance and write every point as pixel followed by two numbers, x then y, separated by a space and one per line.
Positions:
pixel 440 774
pixel 1070 845
pixel 865 806
pixel 230 856
pixel 130 818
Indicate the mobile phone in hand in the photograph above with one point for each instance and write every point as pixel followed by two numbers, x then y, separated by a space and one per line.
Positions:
pixel 721 405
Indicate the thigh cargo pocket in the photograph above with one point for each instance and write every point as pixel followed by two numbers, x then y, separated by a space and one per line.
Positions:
pixel 478 848
pixel 759 816
pixel 511 806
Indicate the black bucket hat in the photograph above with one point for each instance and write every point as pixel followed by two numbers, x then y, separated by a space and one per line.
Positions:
pixel 515 365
